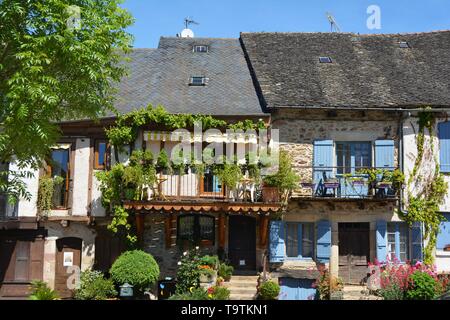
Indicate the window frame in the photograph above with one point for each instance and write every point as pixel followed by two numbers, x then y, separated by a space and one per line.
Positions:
pixel 197 238
pixel 352 153
pixel 397 236
pixel 195 46
pixel 67 190
pixel 196 84
pixel 300 242
pixel 97 143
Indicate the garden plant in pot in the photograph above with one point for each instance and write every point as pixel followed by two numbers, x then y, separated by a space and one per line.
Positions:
pixel 278 186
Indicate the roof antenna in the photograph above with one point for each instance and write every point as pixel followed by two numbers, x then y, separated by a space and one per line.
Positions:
pixel 188 33
pixel 333 23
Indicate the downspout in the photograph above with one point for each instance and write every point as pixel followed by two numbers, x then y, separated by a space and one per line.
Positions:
pixel 405 115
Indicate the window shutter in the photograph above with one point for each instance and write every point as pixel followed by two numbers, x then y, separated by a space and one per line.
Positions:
pixel 444 146
pixel 416 242
pixel 384 154
pixel 443 238
pixel 323 159
pixel 277 245
pixel 323 241
pixel 381 241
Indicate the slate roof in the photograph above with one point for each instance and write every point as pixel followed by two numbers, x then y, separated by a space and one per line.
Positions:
pixel 368 71
pixel 161 76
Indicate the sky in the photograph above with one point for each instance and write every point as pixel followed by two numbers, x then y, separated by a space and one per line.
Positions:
pixel 227 18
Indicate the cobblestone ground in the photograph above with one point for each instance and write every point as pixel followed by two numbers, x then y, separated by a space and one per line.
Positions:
pixel 358 293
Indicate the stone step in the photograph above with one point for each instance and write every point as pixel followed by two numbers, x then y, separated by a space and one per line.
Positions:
pixel 242 296
pixel 242 290
pixel 239 278
pixel 240 284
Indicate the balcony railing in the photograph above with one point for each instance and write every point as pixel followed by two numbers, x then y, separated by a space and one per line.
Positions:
pixel 330 182
pixel 191 186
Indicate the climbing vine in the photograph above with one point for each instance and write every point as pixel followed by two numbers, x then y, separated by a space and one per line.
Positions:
pixel 127 125
pixel 424 207
pixel 131 182
pixel 46 190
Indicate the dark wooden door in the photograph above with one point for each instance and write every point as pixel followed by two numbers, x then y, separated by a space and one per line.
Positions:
pixel 242 242
pixel 68 249
pixel 354 252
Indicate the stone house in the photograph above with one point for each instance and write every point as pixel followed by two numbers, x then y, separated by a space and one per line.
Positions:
pixel 343 102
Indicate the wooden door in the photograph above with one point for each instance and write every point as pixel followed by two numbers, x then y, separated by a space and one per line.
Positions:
pixel 68 253
pixel 354 252
pixel 242 242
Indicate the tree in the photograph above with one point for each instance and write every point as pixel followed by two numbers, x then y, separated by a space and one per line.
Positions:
pixel 59 60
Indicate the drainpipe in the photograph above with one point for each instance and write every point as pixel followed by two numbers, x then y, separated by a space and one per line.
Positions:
pixel 405 115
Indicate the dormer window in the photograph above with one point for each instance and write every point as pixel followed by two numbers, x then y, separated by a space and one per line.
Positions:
pixel 197 81
pixel 404 45
pixel 200 48
pixel 325 60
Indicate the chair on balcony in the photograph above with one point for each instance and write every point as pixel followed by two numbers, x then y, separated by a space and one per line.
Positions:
pixel 247 186
pixel 327 184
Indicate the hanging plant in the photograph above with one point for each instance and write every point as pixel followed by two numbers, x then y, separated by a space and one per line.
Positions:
pixel 47 186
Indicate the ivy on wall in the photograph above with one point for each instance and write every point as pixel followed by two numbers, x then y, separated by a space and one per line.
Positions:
pixel 126 182
pixel 424 207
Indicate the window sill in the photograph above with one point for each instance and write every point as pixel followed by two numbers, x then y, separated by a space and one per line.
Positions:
pixel 441 253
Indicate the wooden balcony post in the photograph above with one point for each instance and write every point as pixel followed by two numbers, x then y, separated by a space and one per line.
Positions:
pixel 140 227
pixel 168 230
pixel 222 221
pixel 263 231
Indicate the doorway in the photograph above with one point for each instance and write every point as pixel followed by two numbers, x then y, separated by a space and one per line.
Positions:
pixel 242 242
pixel 68 254
pixel 354 252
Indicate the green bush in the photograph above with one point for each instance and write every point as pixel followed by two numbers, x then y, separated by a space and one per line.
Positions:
pixel 225 271
pixel 422 286
pixel 219 293
pixel 194 294
pixel 93 286
pixel 41 291
pixel 212 261
pixel 269 290
pixel 392 292
pixel 137 268
pixel 188 274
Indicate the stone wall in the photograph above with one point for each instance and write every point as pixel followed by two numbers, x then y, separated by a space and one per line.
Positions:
pixel 298 129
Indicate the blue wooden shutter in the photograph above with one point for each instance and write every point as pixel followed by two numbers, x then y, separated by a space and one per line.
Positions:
pixel 384 154
pixel 416 242
pixel 277 245
pixel 443 238
pixel 323 241
pixel 444 146
pixel 323 159
pixel 381 240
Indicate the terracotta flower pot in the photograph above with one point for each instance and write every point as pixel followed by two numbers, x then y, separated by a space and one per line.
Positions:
pixel 270 194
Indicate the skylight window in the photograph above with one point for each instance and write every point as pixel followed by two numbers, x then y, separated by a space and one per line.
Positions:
pixel 197 81
pixel 404 44
pixel 200 48
pixel 325 60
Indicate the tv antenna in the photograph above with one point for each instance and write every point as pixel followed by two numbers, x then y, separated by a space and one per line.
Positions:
pixel 333 23
pixel 188 21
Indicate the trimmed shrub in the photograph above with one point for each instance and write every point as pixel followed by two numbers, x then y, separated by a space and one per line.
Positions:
pixel 137 268
pixel 93 286
pixel 41 291
pixel 269 290
pixel 422 286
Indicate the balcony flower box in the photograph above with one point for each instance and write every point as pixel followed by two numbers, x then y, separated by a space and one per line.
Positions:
pixel 359 182
pixel 384 185
pixel 308 185
pixel 270 194
pixel 331 185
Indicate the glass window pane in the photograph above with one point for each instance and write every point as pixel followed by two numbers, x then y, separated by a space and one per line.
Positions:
pixel 186 228
pixel 101 154
pixel 60 168
pixel 206 228
pixel 292 239
pixel 308 240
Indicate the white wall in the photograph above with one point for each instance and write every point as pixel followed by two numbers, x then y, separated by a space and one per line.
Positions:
pixel 97 209
pixel 81 177
pixel 27 208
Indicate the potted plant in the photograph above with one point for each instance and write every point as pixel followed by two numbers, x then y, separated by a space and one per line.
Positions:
pixel 207 274
pixel 163 162
pixel 280 184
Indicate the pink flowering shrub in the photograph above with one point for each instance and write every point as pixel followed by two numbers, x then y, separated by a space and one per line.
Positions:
pixel 396 279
